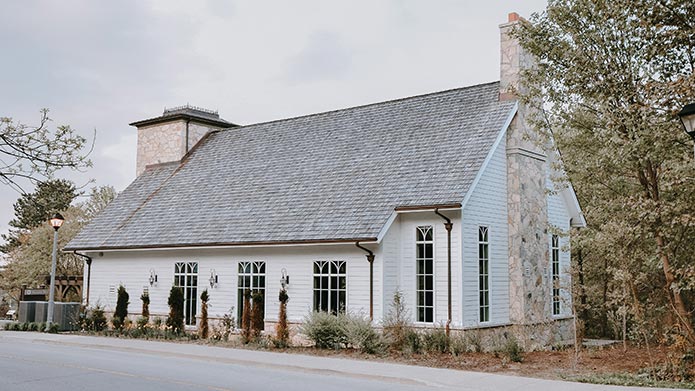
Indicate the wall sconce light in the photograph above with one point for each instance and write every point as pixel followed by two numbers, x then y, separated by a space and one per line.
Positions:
pixel 213 278
pixel 153 277
pixel 285 278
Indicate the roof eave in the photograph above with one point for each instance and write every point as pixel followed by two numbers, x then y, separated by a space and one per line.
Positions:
pixel 183 116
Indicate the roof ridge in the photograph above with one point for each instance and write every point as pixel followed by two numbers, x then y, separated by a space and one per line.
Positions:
pixel 239 127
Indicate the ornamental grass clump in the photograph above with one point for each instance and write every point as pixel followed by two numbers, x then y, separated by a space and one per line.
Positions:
pixel 361 334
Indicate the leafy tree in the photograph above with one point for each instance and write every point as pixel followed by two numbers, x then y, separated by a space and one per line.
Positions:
pixel 121 312
pixel 175 319
pixel 29 262
pixel 99 198
pixel 36 152
pixel 608 80
pixel 33 209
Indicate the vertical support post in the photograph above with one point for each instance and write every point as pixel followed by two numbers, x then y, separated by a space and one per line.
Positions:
pixel 448 225
pixel 51 288
pixel 89 279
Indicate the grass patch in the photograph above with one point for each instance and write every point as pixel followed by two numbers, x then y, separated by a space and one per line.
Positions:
pixel 627 379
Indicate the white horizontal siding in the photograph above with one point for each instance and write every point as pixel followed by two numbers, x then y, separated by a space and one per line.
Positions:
pixel 407 281
pixel 487 207
pixel 132 269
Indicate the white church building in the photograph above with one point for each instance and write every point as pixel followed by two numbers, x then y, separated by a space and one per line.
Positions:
pixel 444 197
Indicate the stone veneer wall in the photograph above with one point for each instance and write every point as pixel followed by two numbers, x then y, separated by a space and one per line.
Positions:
pixel 527 200
pixel 166 142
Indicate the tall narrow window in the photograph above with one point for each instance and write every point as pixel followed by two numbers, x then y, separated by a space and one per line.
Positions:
pixel 555 260
pixel 186 278
pixel 424 259
pixel 330 286
pixel 252 278
pixel 484 273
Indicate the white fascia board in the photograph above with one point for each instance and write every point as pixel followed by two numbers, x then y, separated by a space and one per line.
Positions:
pixel 570 197
pixel 395 214
pixel 502 134
pixel 269 245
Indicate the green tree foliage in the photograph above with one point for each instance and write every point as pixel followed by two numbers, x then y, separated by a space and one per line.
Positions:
pixel 610 77
pixel 204 327
pixel 29 262
pixel 175 319
pixel 121 312
pixel 33 209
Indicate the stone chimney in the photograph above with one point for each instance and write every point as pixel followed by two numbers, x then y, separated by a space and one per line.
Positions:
pixel 527 206
pixel 171 136
pixel 512 58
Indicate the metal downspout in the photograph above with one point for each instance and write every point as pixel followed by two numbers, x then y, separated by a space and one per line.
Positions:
pixel 88 259
pixel 448 225
pixel 370 259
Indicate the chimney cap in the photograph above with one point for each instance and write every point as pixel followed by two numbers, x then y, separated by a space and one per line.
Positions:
pixel 512 17
pixel 187 112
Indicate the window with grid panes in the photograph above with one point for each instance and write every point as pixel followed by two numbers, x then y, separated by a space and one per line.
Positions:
pixel 186 278
pixel 424 274
pixel 555 262
pixel 484 273
pixel 252 278
pixel 330 286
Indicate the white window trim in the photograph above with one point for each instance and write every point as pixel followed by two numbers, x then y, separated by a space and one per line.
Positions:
pixel 559 278
pixel 265 288
pixel 489 279
pixel 347 282
pixel 197 288
pixel 434 276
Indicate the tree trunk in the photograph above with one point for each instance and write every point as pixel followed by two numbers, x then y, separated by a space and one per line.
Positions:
pixel 674 294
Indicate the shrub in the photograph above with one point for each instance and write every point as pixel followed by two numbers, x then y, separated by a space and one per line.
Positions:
pixel 397 322
pixel 282 332
pixel 23 326
pixel 145 297
pixel 157 322
pixel 257 315
pixel 246 317
pixel 361 335
pixel 513 349
pixel 325 330
pixel 204 328
pixel 33 326
pixel 96 319
pixel 175 301
pixel 458 344
pixel 413 342
pixel 121 312
pixel 141 322
pixel 53 328
pixel 435 341
pixel 224 327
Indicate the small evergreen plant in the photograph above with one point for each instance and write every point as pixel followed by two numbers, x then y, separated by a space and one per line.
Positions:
pixel 282 332
pixel 257 315
pixel 175 319
pixel 145 304
pixel 204 328
pixel 246 317
pixel 121 312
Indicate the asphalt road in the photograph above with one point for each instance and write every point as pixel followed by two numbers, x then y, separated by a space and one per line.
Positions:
pixel 35 361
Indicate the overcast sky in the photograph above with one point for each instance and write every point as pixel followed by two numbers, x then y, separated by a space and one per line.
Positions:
pixel 103 64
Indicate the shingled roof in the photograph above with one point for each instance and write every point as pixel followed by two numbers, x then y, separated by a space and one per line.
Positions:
pixel 333 176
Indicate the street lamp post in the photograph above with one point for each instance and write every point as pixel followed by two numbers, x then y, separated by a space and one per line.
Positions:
pixel 56 221
pixel 687 116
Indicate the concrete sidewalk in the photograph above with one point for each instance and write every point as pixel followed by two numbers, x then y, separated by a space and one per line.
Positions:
pixel 369 370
